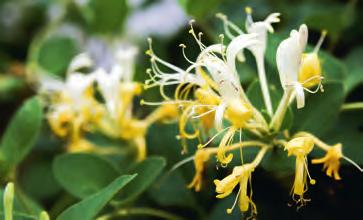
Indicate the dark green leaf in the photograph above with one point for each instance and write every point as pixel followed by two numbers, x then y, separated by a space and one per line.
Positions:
pixel 83 174
pixel 22 132
pixel 355 69
pixel 165 189
pixel 321 110
pixel 254 93
pixel 147 170
pixel 89 207
pixel 348 131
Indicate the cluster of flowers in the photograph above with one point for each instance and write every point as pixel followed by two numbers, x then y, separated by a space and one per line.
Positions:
pixel 211 99
pixel 99 100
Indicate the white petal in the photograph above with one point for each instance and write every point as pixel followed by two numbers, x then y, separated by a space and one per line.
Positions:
pixel 82 60
pixel 125 57
pixel 288 56
pixel 218 122
pixel 300 96
pixel 236 45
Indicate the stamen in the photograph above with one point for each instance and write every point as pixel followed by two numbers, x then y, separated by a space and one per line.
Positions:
pixel 227 25
pixel 353 163
pixel 203 114
pixel 180 163
pixel 211 139
pixel 229 211
pixel 320 42
pixel 143 102
pixel 248 11
pixel 312 181
pixel 197 39
pixel 183 46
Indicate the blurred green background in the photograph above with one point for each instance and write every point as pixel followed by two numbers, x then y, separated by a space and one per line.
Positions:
pixel 39 36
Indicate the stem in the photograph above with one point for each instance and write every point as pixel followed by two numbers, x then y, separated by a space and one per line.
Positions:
pixel 214 150
pixel 279 115
pixel 141 211
pixel 316 140
pixel 260 155
pixel 352 106
pixel 264 85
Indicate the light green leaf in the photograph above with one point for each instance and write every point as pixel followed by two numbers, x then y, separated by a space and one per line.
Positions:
pixel 89 207
pixel 55 53
pixel 19 216
pixel 198 8
pixel 148 170
pixel 83 174
pixel 22 132
pixel 321 110
pixel 106 16
pixel 22 203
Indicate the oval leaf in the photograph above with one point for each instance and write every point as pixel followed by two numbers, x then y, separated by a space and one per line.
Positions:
pixel 321 110
pixel 147 171
pixel 88 208
pixel 22 132
pixel 83 174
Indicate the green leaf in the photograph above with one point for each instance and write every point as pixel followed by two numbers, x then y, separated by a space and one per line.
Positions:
pixel 355 69
pixel 198 8
pixel 334 18
pixel 254 94
pixel 321 110
pixel 10 86
pixel 106 16
pixel 19 216
pixel 276 160
pixel 148 170
pixel 164 191
pixel 22 132
pixel 22 203
pixel 348 131
pixel 39 175
pixel 83 174
pixel 55 53
pixel 89 207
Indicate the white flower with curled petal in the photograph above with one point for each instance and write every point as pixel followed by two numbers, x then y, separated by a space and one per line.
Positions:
pixel 260 29
pixel 288 59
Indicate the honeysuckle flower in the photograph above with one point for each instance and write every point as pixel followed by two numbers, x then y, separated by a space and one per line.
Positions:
pixel 201 156
pixel 288 60
pixel 310 73
pixel 73 107
pixel 300 147
pixel 240 175
pixel 259 28
pixel 331 161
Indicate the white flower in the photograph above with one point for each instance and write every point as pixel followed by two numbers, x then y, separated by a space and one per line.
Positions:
pixel 288 59
pixel 109 86
pixel 259 29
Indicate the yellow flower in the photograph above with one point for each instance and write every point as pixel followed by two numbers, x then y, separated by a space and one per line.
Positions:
pixel 208 98
pixel 240 175
pixel 238 113
pixel 331 161
pixel 310 73
pixel 201 156
pixel 300 147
